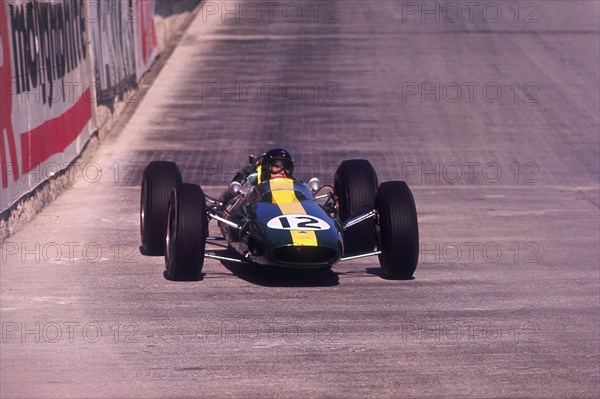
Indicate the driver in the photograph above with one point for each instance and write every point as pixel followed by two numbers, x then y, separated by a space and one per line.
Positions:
pixel 276 163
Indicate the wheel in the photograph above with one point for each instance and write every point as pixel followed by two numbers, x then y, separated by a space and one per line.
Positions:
pixel 355 185
pixel 186 233
pixel 398 230
pixel 158 180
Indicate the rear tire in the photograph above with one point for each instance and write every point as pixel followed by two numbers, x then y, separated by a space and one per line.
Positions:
pixel 355 185
pixel 398 230
pixel 158 180
pixel 186 233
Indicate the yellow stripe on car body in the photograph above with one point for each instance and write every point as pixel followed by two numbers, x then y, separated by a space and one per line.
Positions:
pixel 285 198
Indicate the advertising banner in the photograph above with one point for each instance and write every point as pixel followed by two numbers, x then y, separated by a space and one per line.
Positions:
pixel 47 93
pixel 111 26
pixel 144 32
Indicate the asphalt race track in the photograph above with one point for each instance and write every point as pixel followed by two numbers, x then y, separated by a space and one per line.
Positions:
pixel 490 113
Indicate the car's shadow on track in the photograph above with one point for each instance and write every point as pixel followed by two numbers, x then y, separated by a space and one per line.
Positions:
pixel 377 271
pixel 197 278
pixel 278 277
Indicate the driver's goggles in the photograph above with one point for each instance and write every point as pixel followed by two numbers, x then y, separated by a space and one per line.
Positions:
pixel 277 167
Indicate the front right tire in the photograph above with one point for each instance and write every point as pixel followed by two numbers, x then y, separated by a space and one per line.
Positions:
pixel 355 185
pixel 398 237
pixel 159 178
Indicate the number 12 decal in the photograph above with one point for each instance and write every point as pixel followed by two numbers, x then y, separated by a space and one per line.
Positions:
pixel 298 222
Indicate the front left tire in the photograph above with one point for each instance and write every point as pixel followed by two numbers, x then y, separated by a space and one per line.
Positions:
pixel 187 229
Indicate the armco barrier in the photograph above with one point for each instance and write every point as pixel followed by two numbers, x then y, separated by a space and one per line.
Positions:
pixel 64 66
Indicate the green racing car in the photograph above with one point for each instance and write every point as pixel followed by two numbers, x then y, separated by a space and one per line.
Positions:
pixel 269 217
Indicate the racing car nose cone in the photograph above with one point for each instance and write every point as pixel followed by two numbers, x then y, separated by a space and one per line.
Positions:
pixel 305 255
